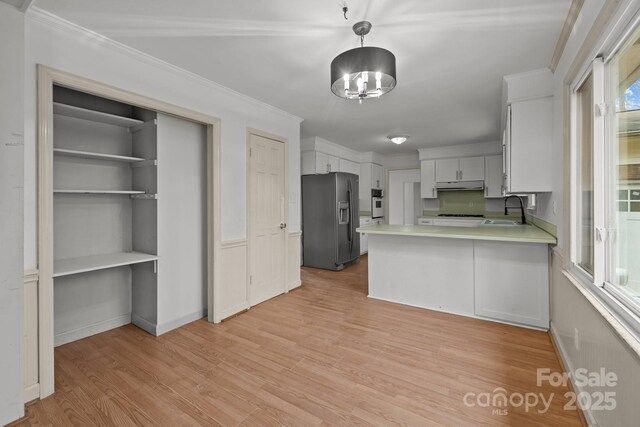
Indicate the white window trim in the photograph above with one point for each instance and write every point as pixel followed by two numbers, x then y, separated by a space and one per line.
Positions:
pixel 610 300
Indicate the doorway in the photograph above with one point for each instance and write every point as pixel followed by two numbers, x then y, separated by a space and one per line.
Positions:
pixel 267 216
pixel 403 198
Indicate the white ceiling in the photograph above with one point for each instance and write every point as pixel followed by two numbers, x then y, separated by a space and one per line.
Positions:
pixel 451 56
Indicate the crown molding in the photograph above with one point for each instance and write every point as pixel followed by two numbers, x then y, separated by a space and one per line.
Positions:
pixel 567 29
pixel 37 14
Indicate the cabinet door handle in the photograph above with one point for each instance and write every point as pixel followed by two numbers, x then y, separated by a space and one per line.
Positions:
pixel 486 190
pixel 433 192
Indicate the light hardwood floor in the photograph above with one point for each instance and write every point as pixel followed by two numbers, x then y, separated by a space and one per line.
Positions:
pixel 324 354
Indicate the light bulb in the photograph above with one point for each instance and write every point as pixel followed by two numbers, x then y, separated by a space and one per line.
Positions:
pixel 360 84
pixel 365 76
pixel 378 80
pixel 346 82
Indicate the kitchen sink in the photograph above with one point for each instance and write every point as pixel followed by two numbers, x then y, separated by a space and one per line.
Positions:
pixel 504 222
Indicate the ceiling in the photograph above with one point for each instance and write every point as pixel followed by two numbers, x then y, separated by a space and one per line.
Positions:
pixel 451 56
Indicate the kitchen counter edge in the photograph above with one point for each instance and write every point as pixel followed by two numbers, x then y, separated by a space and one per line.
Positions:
pixel 523 233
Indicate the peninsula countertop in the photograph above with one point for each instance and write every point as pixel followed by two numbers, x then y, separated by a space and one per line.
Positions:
pixel 515 233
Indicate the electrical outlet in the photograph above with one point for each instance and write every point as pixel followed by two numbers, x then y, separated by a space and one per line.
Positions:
pixel 470 204
pixel 576 338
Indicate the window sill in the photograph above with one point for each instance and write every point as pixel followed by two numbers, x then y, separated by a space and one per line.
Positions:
pixel 619 325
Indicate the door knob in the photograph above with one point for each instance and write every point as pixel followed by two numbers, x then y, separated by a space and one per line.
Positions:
pixel 283 225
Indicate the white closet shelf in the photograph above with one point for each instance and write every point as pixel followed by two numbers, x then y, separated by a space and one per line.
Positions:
pixel 95 116
pixel 59 190
pixel 98 156
pixel 68 266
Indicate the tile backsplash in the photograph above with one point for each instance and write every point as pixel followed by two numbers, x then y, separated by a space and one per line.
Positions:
pixel 463 202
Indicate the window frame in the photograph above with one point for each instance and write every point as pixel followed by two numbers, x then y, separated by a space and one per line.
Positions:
pixel 626 311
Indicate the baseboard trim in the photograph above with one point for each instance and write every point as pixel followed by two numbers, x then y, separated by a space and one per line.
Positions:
pixel 470 315
pixel 232 311
pixel 93 329
pixel 295 285
pixel 31 393
pixel 165 327
pixel 144 324
pixel 586 417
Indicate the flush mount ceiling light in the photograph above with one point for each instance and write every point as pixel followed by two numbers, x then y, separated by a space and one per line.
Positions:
pixel 398 139
pixel 363 72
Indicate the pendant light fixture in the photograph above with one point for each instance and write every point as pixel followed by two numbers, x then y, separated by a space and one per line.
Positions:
pixel 363 72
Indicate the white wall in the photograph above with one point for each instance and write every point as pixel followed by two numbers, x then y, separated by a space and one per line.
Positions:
pixel 61 45
pixel 11 221
pixel 401 161
pixel 600 345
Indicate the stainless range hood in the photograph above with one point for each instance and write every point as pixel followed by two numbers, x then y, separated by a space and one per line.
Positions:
pixel 460 185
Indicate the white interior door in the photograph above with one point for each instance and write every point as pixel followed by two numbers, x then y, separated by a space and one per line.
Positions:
pixel 267 219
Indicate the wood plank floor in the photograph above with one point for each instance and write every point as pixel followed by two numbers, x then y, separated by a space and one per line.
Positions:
pixel 323 354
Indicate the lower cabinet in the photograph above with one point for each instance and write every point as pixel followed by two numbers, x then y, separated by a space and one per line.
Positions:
pixel 364 238
pixel 512 282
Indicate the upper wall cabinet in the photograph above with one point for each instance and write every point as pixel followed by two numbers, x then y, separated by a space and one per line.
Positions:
pixel 377 176
pixel 371 177
pixel 527 137
pixel 428 179
pixel 349 166
pixel 315 162
pixel 462 169
pixel 493 185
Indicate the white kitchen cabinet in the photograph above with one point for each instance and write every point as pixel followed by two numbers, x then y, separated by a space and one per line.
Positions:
pixel 527 132
pixel 460 169
pixel 512 282
pixel 349 166
pixel 472 168
pixel 447 170
pixel 321 162
pixel 428 179
pixel 333 164
pixel 371 176
pixel 315 162
pixel 364 238
pixel 493 177
pixel 377 176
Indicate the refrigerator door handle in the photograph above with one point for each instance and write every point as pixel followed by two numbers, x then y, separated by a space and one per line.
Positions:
pixel 350 224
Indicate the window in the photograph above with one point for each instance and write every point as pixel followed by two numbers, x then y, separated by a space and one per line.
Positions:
pixel 623 145
pixel 584 130
pixel 606 178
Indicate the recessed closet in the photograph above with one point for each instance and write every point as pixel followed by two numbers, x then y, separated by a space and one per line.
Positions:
pixel 129 217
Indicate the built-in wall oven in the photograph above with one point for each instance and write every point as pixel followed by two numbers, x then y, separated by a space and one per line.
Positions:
pixel 377 207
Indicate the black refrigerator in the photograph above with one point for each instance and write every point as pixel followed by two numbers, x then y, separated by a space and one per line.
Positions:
pixel 330 217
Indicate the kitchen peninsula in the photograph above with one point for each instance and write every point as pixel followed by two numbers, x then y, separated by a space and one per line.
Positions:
pixel 497 273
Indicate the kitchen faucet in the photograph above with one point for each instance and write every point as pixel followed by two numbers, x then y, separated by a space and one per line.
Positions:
pixel 506 209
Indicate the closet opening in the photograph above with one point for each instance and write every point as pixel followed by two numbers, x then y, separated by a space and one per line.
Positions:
pixel 129 219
